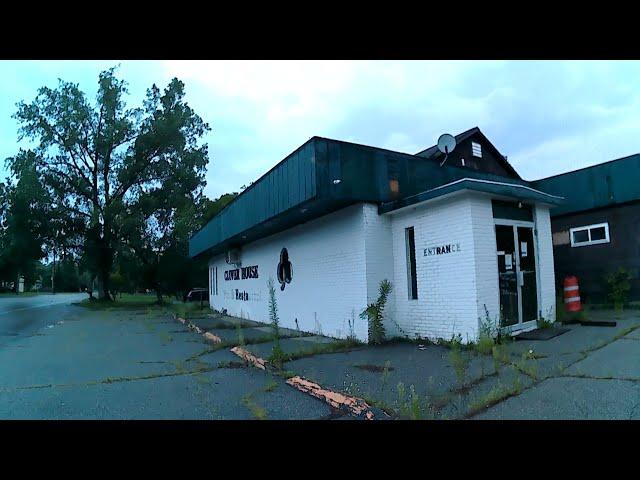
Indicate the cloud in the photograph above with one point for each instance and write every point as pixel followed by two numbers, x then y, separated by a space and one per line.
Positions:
pixel 547 116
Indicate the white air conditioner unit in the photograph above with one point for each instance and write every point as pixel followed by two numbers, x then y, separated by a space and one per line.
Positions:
pixel 233 256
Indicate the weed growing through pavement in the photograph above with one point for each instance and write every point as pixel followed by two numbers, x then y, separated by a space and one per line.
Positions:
pixel 165 337
pixel 500 356
pixel 525 366
pixel 258 412
pixel 352 326
pixel 543 323
pixel 459 360
pixel 240 334
pixel 270 386
pixel 495 395
pixel 385 374
pixel 374 313
pixel 179 366
pixel 232 364
pixel 487 334
pixel 409 406
pixel 277 357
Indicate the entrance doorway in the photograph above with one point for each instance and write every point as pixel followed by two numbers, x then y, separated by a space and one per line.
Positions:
pixel 517 277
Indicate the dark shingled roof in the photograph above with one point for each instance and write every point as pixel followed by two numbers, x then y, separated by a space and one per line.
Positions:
pixel 432 153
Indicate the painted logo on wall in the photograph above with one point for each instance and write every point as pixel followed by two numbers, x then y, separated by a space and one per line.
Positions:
pixel 285 269
pixel 241 273
pixel 443 249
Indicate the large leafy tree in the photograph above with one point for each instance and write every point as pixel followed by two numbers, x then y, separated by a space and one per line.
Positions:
pixel 24 220
pixel 104 164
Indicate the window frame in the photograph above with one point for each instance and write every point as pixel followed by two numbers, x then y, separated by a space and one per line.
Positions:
pixel 588 228
pixel 412 268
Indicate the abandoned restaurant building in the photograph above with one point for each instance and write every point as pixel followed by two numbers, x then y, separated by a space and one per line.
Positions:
pixel 460 236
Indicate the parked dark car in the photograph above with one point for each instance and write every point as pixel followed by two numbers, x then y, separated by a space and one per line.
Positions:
pixel 197 295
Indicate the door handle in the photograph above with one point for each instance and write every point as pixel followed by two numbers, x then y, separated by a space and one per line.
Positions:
pixel 521 278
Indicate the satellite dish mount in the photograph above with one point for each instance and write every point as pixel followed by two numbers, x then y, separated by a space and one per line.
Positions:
pixel 446 144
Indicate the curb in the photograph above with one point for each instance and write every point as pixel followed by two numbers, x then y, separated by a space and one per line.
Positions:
pixel 346 403
pixel 209 337
pixel 340 401
pixel 250 358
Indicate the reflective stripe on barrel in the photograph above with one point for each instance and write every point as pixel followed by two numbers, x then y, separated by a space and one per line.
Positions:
pixel 572 294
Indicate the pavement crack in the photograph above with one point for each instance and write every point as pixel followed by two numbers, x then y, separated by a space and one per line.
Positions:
pixel 110 380
pixel 591 377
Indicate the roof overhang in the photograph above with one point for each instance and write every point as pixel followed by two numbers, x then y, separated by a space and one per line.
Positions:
pixel 496 188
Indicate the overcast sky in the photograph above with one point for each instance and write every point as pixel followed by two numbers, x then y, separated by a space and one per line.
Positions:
pixel 546 116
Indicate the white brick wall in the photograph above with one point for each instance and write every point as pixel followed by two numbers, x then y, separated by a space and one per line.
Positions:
pixel 339 260
pixel 379 260
pixel 328 284
pixel 485 259
pixel 546 274
pixel 446 300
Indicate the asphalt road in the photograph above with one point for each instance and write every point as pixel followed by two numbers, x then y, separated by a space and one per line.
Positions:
pixel 24 316
pixel 63 361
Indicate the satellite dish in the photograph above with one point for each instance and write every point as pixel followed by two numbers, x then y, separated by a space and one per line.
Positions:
pixel 446 144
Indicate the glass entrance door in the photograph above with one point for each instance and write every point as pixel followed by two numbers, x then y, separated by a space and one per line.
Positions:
pixel 507 277
pixel 516 274
pixel 527 274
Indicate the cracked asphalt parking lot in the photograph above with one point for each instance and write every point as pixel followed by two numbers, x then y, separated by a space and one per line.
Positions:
pixel 76 363
pixel 61 361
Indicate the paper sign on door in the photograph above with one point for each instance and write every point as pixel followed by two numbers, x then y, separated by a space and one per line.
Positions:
pixel 507 262
pixel 523 249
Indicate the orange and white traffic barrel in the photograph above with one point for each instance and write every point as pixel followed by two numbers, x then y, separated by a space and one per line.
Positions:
pixel 572 294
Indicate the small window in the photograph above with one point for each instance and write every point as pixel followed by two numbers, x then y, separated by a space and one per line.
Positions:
pixel 476 149
pixel 213 281
pixel 412 281
pixel 590 235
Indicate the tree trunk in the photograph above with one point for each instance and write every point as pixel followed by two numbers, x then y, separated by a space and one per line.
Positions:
pixel 158 294
pixel 103 285
pixel 104 265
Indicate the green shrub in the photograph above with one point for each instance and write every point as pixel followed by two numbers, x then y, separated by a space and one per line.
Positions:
pixel 544 323
pixel 619 283
pixel 374 313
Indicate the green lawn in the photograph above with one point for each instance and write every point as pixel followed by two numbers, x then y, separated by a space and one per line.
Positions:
pixel 24 294
pixel 148 303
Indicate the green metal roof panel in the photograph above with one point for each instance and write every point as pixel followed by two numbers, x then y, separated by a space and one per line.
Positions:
pixel 319 177
pixel 602 185
pixel 288 184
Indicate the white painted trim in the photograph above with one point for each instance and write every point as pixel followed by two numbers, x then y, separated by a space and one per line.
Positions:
pixel 607 239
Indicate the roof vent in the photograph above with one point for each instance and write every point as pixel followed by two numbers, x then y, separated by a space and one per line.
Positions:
pixel 476 149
